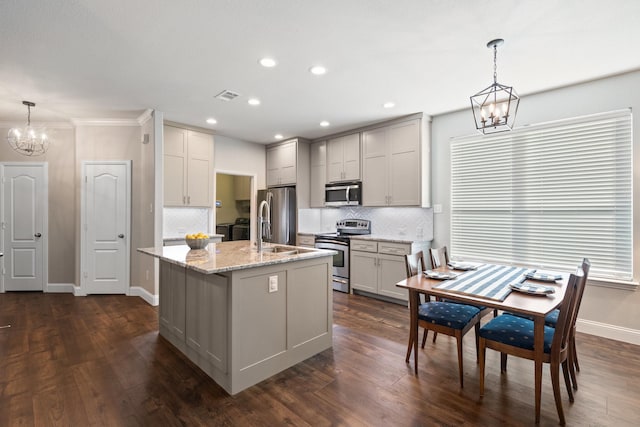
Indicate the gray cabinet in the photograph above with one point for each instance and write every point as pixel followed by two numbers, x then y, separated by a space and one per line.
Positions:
pixel 343 158
pixel 188 168
pixel 282 164
pixel 206 317
pixel 376 267
pixel 318 173
pixel 391 170
pixel 172 314
pixel 288 165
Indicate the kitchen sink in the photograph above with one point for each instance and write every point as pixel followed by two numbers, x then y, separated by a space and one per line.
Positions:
pixel 285 250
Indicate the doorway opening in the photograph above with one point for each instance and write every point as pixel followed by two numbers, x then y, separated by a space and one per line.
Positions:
pixel 234 204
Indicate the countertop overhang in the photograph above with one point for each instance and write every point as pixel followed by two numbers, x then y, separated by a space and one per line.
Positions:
pixel 229 256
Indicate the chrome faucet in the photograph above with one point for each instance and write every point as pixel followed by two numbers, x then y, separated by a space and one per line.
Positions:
pixel 264 224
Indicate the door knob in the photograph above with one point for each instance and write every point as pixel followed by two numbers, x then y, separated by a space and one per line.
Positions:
pixel 38 235
pixel 121 236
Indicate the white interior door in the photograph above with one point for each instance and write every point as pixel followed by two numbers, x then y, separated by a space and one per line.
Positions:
pixel 24 240
pixel 106 227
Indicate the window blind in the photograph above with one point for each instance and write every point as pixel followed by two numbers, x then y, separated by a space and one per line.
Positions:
pixel 547 195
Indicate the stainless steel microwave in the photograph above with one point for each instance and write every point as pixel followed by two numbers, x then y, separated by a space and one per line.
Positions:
pixel 343 194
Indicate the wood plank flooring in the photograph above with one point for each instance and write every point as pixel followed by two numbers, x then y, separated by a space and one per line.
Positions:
pixel 98 361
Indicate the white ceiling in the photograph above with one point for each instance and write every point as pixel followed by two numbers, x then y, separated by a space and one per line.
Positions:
pixel 97 59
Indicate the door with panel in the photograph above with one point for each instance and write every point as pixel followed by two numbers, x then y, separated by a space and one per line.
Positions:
pixel 24 234
pixel 106 212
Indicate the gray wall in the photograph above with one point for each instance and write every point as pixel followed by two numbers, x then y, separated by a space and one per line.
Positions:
pixel 603 309
pixel 62 199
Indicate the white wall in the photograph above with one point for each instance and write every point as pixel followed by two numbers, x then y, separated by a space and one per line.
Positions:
pixel 604 311
pixel 237 157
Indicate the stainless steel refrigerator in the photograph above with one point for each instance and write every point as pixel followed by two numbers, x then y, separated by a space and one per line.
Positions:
pixel 282 209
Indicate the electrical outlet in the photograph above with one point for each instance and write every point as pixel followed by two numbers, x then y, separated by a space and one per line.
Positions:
pixel 147 274
pixel 437 208
pixel 273 284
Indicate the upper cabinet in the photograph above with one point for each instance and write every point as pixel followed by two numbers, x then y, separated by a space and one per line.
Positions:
pixel 288 165
pixel 391 169
pixel 188 167
pixel 282 164
pixel 343 158
pixel 318 172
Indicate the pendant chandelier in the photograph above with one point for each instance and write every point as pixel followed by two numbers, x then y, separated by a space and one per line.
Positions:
pixel 494 108
pixel 28 141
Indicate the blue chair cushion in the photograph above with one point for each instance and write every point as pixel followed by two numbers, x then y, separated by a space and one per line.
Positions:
pixel 479 307
pixel 455 316
pixel 550 320
pixel 516 331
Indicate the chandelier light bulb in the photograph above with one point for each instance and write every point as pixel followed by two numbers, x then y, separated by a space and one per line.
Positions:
pixel 28 141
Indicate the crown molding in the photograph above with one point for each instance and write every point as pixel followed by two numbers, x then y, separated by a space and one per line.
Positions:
pixel 105 122
pixel 145 116
pixel 47 125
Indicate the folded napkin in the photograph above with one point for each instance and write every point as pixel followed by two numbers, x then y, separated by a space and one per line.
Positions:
pixel 440 275
pixel 545 277
pixel 531 289
pixel 457 265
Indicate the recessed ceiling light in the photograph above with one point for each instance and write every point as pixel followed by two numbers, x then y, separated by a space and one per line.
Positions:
pixel 278 136
pixel 324 123
pixel 253 101
pixel 318 70
pixel 389 104
pixel 212 121
pixel 268 62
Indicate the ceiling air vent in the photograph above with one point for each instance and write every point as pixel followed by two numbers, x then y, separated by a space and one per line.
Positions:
pixel 227 95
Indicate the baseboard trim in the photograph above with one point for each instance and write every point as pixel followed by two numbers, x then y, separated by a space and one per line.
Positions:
pixel 141 292
pixel 60 288
pixel 618 333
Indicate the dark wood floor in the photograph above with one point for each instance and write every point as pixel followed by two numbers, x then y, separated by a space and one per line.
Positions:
pixel 98 360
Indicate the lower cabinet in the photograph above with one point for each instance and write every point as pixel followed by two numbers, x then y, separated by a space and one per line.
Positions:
pixel 172 302
pixel 193 313
pixel 376 267
pixel 206 317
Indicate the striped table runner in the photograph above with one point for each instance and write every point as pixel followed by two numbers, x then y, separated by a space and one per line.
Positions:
pixel 488 281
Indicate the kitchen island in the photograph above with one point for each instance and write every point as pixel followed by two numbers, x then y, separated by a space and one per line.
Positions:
pixel 243 316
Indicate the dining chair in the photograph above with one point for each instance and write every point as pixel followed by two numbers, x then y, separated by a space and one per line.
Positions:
pixel 440 257
pixel 447 318
pixel 552 320
pixel 514 335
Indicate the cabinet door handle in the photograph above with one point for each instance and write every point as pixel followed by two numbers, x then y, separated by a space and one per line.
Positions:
pixel 184 200
pixel 38 235
pixel 188 200
pixel 121 236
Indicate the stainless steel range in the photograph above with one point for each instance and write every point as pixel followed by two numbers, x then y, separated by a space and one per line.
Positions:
pixel 339 242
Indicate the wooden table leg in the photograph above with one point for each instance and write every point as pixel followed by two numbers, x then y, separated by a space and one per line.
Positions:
pixel 414 300
pixel 538 346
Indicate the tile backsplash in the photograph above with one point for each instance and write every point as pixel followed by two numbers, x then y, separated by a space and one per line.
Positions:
pixel 176 222
pixel 408 222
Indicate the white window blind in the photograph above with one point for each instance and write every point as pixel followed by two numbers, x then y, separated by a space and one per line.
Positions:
pixel 547 195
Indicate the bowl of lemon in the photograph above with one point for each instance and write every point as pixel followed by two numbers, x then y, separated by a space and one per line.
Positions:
pixel 197 240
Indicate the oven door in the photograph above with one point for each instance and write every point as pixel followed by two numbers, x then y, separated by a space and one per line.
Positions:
pixel 340 262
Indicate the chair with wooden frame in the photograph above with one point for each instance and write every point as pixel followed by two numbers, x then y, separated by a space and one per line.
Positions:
pixel 440 257
pixel 443 317
pixel 513 335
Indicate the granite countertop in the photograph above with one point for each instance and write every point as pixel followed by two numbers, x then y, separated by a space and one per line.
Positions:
pixel 390 238
pixel 228 256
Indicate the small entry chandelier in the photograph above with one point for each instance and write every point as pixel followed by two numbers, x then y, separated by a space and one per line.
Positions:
pixel 494 108
pixel 28 141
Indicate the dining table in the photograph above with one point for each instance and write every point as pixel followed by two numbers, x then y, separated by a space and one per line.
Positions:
pixel 536 307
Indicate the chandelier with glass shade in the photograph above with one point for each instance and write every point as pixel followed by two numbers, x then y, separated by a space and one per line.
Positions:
pixel 495 107
pixel 28 141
